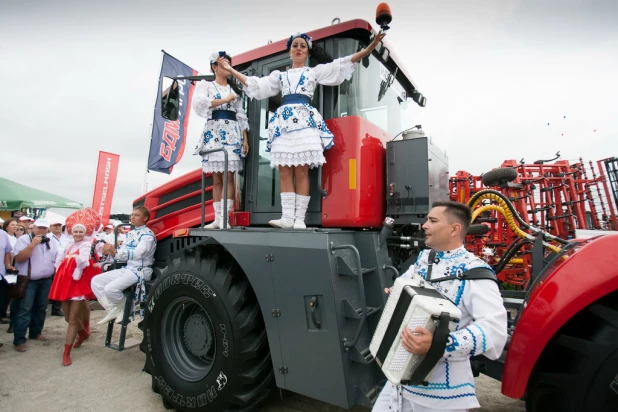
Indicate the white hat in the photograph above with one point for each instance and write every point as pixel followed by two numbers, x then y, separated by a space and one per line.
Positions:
pixel 24 218
pixel 41 223
pixel 56 221
pixel 110 226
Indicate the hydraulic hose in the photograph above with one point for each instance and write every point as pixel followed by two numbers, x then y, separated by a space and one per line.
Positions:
pixel 507 215
pixel 505 203
pixel 506 212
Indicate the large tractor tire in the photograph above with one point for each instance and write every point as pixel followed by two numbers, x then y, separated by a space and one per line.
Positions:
pixel 499 176
pixel 579 366
pixel 204 337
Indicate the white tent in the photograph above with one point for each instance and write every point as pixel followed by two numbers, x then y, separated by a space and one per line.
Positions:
pixel 49 215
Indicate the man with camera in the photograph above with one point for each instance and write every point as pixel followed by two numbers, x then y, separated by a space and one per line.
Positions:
pixel 35 254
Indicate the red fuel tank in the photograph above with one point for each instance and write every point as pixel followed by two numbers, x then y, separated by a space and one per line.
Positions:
pixel 354 174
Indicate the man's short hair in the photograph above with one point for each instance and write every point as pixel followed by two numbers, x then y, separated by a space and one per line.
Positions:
pixel 144 211
pixel 459 212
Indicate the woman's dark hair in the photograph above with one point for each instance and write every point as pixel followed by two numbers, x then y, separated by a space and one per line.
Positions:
pixel 316 52
pixel 320 55
pixel 8 222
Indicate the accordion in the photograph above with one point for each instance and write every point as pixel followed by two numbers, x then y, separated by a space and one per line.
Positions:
pixel 412 303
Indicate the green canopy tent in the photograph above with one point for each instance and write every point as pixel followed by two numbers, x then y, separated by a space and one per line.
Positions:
pixel 15 196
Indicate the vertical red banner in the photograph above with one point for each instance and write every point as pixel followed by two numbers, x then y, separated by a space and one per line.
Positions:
pixel 104 183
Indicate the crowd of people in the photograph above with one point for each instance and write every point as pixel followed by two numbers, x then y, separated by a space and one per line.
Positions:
pixel 63 263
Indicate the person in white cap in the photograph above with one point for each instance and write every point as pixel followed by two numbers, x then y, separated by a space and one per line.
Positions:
pixel 56 235
pixel 34 254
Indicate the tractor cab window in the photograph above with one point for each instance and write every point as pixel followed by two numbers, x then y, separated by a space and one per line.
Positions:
pixel 367 96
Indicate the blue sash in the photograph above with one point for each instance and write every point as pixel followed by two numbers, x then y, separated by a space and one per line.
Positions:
pixel 223 115
pixel 295 99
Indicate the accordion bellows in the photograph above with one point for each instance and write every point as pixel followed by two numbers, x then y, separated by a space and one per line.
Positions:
pixel 412 303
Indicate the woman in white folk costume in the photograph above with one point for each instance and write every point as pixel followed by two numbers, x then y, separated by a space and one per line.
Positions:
pixel 74 271
pixel 297 133
pixel 227 127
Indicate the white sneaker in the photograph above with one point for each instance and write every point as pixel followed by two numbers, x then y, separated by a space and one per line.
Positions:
pixel 112 314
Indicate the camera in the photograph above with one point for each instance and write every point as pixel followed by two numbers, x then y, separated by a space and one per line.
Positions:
pixel 45 239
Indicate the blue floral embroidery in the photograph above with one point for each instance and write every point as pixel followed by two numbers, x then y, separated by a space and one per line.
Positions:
pixel 456 270
pixel 222 133
pixel 301 82
pixel 207 136
pixel 423 272
pixel 452 344
pixel 277 132
pixel 312 122
pixel 287 113
pixel 218 96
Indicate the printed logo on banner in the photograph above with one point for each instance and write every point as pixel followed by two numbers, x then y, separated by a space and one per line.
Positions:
pixel 105 181
pixel 168 137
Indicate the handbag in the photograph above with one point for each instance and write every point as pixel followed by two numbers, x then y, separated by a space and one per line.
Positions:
pixel 18 289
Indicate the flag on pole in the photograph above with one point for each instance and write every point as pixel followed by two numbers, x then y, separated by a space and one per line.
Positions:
pixel 104 183
pixel 168 138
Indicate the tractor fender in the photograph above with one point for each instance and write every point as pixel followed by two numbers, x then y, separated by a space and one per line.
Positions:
pixel 567 287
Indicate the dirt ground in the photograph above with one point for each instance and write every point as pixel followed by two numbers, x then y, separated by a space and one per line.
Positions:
pixel 104 380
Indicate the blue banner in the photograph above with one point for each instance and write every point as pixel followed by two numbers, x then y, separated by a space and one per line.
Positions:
pixel 168 138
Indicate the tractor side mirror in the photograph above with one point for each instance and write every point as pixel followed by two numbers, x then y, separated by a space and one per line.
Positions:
pixel 169 98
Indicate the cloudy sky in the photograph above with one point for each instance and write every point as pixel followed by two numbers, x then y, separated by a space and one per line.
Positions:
pixel 80 76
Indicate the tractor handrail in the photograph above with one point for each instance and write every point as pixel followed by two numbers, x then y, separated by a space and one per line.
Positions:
pixel 224 207
pixel 361 285
pixel 322 191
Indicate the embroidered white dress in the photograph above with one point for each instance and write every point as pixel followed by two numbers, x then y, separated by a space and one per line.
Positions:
pixel 219 133
pixel 481 330
pixel 297 133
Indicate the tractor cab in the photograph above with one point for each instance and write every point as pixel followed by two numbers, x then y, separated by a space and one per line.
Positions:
pixel 364 113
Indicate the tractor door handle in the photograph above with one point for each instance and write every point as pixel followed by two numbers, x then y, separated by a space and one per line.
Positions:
pixel 313 303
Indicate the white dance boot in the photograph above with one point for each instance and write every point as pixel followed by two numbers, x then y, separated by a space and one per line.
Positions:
pixel 120 307
pixel 112 310
pixel 216 224
pixel 288 204
pixel 226 216
pixel 302 202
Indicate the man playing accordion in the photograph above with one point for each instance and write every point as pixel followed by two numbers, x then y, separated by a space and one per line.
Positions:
pixel 482 328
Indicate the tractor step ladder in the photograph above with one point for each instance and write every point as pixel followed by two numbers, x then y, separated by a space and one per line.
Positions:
pixel 363 356
pixel 126 319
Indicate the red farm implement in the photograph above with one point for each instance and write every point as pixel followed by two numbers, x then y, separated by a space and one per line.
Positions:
pixel 562 200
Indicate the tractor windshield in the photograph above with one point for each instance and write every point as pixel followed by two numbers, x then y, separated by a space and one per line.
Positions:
pixel 364 94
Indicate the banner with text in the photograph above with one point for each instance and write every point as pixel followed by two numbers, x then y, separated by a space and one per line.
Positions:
pixel 168 138
pixel 104 183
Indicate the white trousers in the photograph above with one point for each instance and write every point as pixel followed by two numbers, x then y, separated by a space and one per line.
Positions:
pixel 388 402
pixel 112 284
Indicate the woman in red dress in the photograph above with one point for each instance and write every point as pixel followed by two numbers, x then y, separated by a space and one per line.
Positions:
pixel 71 286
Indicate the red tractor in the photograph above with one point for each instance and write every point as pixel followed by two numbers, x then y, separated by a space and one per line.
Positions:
pixel 234 313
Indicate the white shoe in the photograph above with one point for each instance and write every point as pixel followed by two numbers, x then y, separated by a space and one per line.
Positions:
pixel 112 314
pixel 282 223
